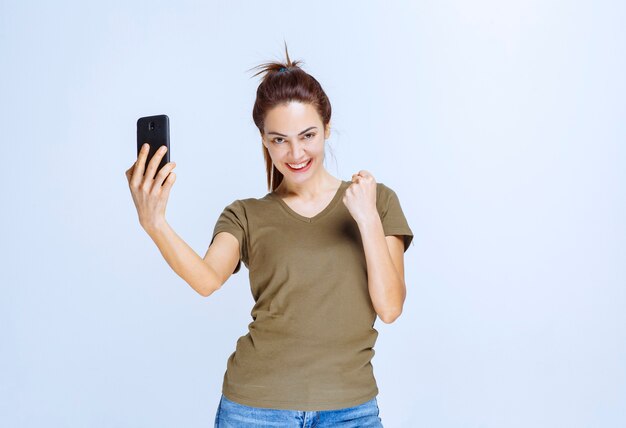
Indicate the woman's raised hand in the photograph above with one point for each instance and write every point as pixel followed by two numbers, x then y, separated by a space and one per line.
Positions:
pixel 150 195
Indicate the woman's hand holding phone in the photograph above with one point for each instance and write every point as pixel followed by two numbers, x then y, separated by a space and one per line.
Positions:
pixel 149 194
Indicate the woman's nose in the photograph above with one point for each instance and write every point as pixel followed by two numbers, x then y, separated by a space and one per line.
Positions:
pixel 297 152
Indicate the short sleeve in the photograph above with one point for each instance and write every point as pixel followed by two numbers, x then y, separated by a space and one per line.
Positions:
pixel 233 220
pixel 392 216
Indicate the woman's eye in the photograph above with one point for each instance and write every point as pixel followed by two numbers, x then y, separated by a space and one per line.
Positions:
pixel 310 135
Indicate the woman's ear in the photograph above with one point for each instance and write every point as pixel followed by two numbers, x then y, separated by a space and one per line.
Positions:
pixel 327 131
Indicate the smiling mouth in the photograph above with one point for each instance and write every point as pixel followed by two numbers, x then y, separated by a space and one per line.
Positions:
pixel 306 165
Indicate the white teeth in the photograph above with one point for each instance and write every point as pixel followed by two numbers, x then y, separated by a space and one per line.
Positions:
pixel 298 166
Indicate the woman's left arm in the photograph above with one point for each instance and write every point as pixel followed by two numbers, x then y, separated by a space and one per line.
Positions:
pixel 385 268
pixel 384 255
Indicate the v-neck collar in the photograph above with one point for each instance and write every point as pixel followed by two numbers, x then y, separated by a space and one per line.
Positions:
pixel 334 201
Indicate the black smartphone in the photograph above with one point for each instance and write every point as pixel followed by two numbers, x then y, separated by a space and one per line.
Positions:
pixel 154 130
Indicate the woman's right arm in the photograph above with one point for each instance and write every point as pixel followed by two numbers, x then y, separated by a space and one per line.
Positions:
pixel 150 196
pixel 203 275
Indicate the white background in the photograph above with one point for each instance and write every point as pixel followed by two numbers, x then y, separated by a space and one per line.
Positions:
pixel 500 125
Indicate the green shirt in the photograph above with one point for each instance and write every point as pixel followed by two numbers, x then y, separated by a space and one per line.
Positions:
pixel 310 344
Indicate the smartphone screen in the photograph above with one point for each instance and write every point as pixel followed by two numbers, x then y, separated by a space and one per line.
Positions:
pixel 154 130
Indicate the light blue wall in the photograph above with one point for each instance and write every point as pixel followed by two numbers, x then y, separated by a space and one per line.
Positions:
pixel 499 124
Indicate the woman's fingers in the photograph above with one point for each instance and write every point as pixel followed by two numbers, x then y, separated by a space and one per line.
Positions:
pixel 129 172
pixel 154 163
pixel 169 182
pixel 150 193
pixel 137 172
pixel 163 174
pixel 139 165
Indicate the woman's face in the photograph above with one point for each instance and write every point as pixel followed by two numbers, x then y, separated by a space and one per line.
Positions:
pixel 294 134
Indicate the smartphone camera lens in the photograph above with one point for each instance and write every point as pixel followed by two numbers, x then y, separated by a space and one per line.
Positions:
pixel 151 126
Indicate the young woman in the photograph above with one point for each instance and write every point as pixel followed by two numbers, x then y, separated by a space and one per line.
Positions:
pixel 325 257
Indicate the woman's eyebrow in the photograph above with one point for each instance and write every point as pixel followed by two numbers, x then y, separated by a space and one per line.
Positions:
pixel 283 135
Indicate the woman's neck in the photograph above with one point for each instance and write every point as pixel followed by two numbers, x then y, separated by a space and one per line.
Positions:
pixel 309 190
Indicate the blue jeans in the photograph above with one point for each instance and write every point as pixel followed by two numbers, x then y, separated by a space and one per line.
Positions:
pixel 235 415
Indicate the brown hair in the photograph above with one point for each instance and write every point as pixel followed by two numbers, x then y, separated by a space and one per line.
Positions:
pixel 282 83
